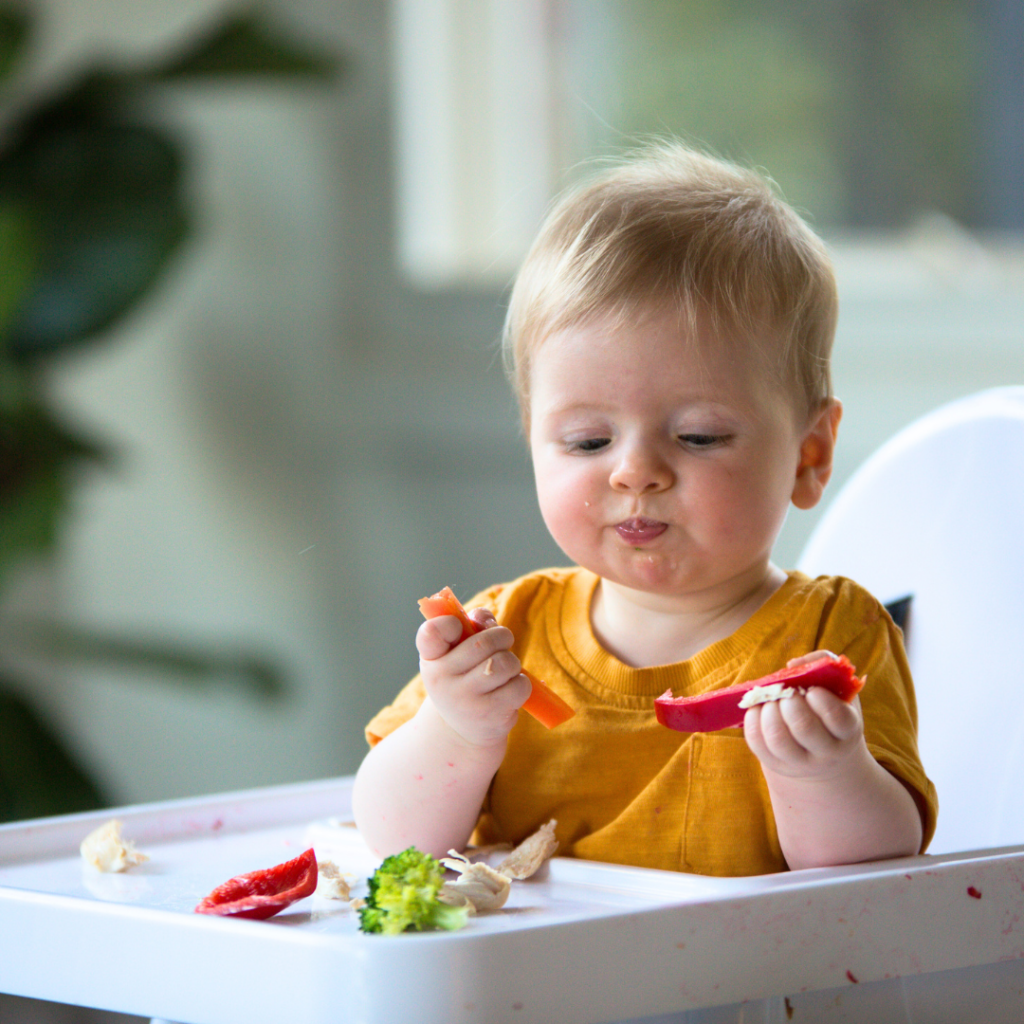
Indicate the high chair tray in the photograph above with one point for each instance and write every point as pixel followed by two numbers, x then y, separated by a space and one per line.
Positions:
pixel 580 942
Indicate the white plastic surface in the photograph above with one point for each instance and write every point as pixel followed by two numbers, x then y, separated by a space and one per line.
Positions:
pixel 938 513
pixel 581 943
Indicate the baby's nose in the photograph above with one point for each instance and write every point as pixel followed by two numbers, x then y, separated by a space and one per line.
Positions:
pixel 641 469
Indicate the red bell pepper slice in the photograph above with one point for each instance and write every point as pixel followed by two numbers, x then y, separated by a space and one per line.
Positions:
pixel 261 894
pixel 721 709
pixel 543 703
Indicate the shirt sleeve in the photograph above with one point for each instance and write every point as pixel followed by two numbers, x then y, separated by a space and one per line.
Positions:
pixel 397 713
pixel 888 703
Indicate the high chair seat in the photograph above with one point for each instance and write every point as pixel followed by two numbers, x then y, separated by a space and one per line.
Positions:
pixel 936 515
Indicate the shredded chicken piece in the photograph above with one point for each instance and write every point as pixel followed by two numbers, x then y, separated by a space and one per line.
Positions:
pixel 528 857
pixel 106 850
pixel 767 694
pixel 474 853
pixel 478 886
pixel 331 884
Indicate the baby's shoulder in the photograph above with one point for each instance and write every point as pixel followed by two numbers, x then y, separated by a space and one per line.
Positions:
pixel 527 596
pixel 842 607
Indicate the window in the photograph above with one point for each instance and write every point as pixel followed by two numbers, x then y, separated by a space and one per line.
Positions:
pixel 871 115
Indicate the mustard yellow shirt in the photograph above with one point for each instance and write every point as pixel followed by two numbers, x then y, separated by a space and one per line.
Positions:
pixel 627 790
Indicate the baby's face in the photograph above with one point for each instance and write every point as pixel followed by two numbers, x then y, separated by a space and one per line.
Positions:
pixel 662 466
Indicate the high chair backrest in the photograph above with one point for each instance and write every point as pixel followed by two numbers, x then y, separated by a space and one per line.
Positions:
pixel 936 515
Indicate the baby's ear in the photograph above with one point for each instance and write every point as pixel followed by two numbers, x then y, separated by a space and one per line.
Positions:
pixel 816 453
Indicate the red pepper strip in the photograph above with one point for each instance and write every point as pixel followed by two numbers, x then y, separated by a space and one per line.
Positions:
pixel 261 894
pixel 543 703
pixel 721 709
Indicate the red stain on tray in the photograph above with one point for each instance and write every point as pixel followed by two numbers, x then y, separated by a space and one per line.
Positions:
pixel 852 977
pixel 976 893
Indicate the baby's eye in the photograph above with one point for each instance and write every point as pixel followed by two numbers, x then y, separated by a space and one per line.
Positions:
pixel 588 444
pixel 702 441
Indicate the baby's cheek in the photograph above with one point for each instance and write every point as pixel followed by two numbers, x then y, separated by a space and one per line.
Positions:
pixel 563 522
pixel 565 507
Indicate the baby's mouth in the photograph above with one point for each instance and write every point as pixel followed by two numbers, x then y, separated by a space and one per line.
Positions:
pixel 640 530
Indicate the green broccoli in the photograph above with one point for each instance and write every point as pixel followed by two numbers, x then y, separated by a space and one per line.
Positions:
pixel 403 897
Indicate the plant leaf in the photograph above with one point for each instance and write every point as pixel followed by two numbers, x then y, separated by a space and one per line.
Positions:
pixel 106 199
pixel 37 455
pixel 39 776
pixel 30 518
pixel 245 44
pixel 190 665
pixel 104 191
pixel 14 25
pixel 17 261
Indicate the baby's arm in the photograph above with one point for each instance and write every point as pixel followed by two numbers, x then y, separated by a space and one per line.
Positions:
pixel 424 784
pixel 833 802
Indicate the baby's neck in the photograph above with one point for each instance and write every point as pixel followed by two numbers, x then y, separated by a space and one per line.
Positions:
pixel 643 630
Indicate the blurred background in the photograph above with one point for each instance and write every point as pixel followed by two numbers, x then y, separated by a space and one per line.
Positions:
pixel 253 262
pixel 243 472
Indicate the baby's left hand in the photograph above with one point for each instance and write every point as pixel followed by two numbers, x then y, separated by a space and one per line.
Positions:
pixel 805 737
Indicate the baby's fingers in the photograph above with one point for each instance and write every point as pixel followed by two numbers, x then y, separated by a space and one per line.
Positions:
pixel 435 637
pixel 770 736
pixel 843 721
pixel 806 659
pixel 498 669
pixel 488 650
pixel 483 617
pixel 819 722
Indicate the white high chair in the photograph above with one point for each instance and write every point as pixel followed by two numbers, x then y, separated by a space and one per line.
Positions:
pixel 937 516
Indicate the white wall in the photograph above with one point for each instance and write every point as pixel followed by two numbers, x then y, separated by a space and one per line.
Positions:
pixel 309 444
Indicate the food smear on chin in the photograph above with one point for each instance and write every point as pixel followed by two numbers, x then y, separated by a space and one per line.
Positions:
pixel 106 850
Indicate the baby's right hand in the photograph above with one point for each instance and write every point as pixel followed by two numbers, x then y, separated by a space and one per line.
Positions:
pixel 476 686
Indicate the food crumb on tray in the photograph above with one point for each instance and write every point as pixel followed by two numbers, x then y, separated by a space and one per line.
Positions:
pixel 483 888
pixel 333 884
pixel 478 886
pixel 534 851
pixel 106 850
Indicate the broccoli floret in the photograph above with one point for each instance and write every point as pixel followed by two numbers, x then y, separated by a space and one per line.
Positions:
pixel 403 897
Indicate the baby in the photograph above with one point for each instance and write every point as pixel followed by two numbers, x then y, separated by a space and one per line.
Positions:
pixel 669 337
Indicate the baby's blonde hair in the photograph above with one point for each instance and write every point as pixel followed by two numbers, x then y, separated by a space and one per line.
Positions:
pixel 673 227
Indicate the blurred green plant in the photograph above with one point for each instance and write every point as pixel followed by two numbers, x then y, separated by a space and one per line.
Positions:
pixel 93 209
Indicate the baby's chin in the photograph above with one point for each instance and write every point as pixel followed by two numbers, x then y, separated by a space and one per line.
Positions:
pixel 648 572
pixel 661 575
pixel 645 569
